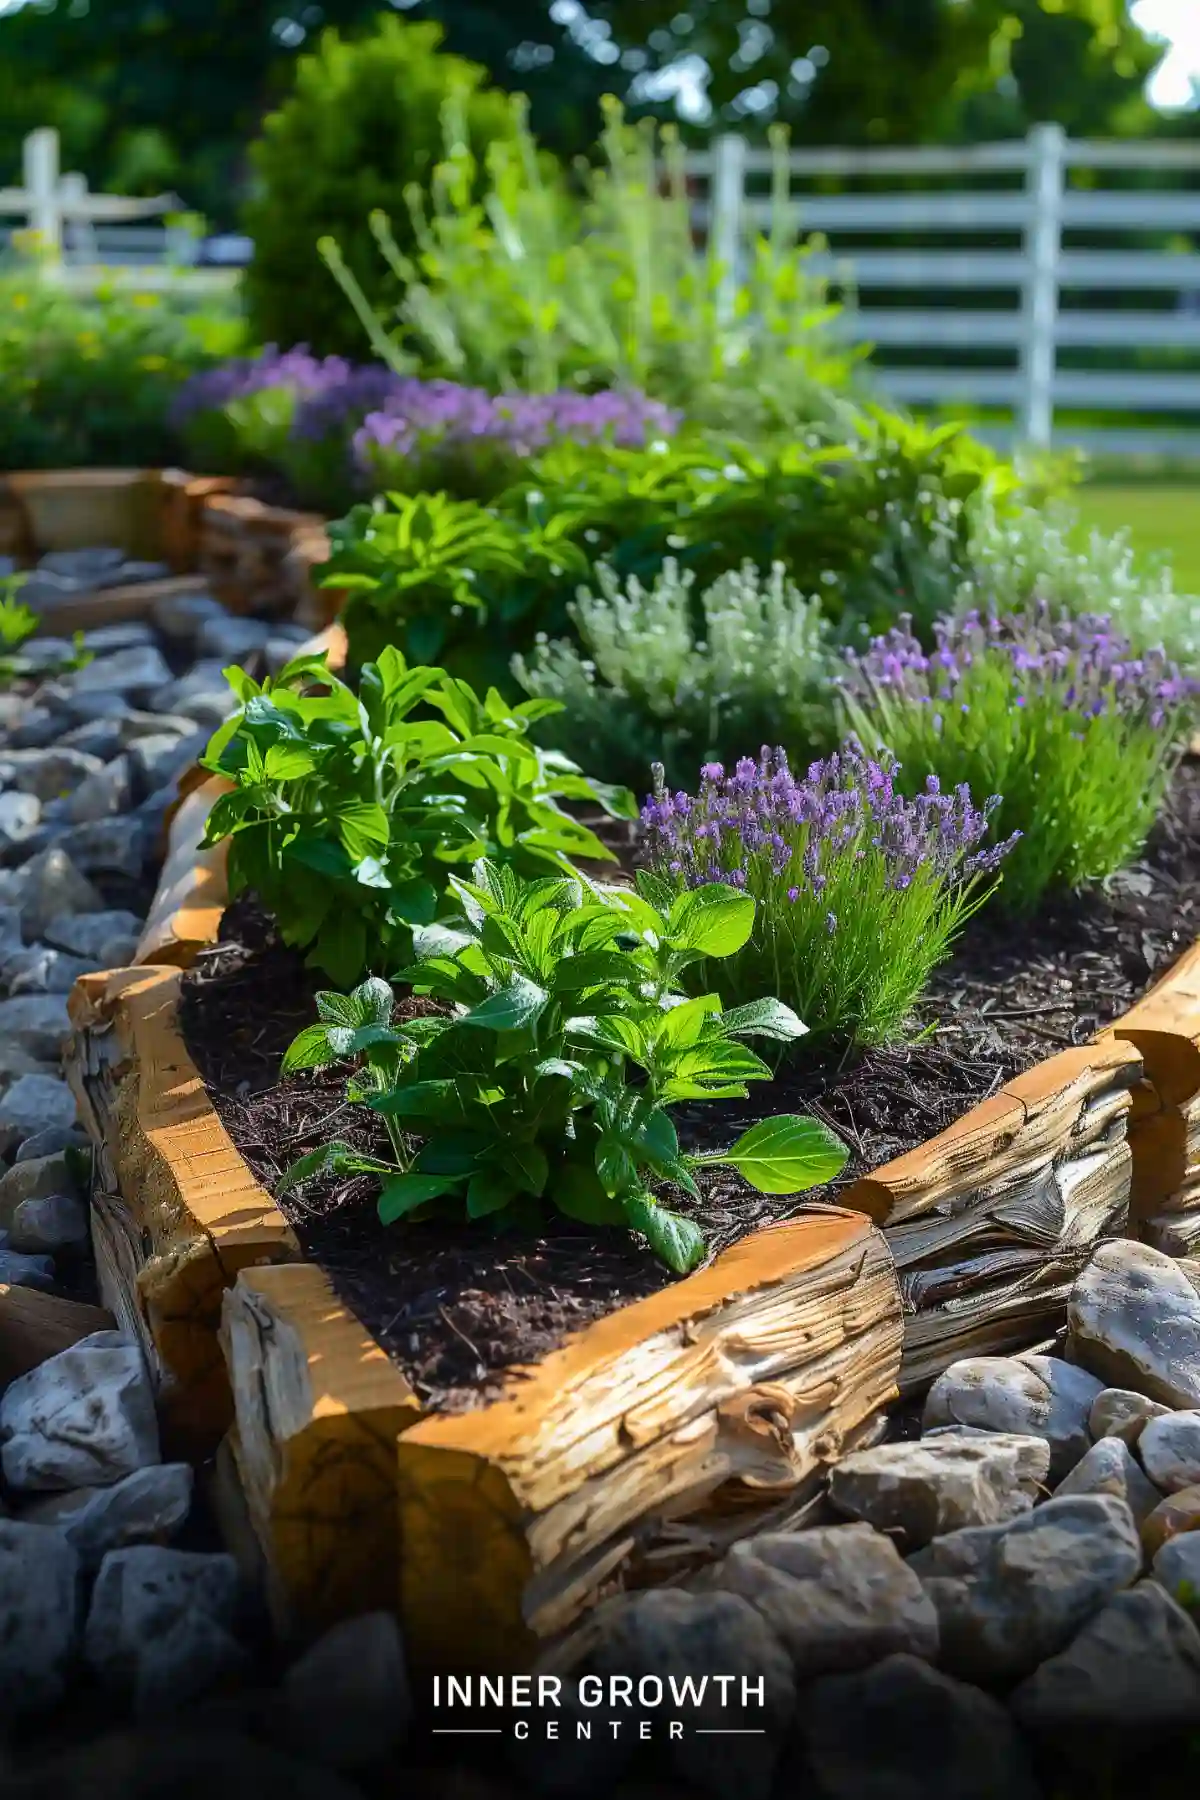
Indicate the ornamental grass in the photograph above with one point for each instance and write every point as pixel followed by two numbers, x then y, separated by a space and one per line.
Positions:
pixel 1058 715
pixel 860 890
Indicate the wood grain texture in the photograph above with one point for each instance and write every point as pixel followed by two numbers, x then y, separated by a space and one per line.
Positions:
pixel 179 1211
pixel 1164 1027
pixel 34 1326
pixel 318 1408
pixel 73 509
pixel 747 1376
pixel 192 892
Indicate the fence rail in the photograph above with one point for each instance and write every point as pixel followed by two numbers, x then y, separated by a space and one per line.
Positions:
pixel 1009 291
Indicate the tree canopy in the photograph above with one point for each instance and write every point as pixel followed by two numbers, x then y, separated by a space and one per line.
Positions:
pixel 156 94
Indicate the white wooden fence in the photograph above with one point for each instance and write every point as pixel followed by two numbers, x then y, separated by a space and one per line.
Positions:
pixel 1036 234
pixel 84 238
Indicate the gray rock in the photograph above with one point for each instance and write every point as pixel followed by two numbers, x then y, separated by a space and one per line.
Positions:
pixel 38 728
pixel 83 1418
pixel 347 1700
pixel 46 774
pixel 19 1270
pixel 44 654
pixel 159 760
pixel 41 970
pixel 83 568
pixel 1037 1396
pixel 33 1103
pixel 37 1023
pixel 50 1225
pixel 668 1631
pixel 74 707
pixel 135 570
pixel 33 1179
pixel 904 1731
pixel 1176 1567
pixel 98 935
pixel 190 1761
pixel 105 639
pixel 1134 1320
pixel 1119 1412
pixel 101 795
pixel 1008 1596
pixel 115 846
pixel 922 1490
pixel 180 616
pixel 148 1507
pixel 1170 1451
pixel 138 671
pixel 161 1624
pixel 100 738
pixel 203 694
pixel 50 1141
pixel 10 930
pixel 20 815
pixel 50 884
pixel 15 1062
pixel 1111 1468
pixel 38 1617
pixel 138 725
pixel 1133 1669
pixel 837 1597
pixel 230 639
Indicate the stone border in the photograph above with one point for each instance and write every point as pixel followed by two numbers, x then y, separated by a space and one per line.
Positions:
pixel 255 558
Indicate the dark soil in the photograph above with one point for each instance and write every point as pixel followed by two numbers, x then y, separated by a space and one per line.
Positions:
pixel 456 1307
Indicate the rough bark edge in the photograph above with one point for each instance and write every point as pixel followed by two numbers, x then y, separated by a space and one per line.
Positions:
pixel 318 1406
pixel 186 1211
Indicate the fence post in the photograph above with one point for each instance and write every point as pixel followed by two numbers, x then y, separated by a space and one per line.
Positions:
pixel 79 235
pixel 726 196
pixel 39 167
pixel 1045 180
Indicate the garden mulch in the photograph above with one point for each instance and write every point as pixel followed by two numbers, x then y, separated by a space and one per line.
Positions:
pixel 456 1307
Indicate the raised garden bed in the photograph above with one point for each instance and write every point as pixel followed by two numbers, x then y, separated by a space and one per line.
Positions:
pixel 647 1421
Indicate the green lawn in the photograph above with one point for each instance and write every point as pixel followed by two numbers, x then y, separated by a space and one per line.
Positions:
pixel 1160 516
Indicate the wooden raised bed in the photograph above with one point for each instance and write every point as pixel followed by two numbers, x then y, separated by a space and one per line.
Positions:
pixel 255 558
pixel 692 1416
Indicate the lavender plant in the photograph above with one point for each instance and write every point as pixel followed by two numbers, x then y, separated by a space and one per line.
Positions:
pixel 1059 715
pixel 860 891
pixel 660 676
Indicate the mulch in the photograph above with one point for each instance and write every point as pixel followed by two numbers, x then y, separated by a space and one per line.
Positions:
pixel 456 1307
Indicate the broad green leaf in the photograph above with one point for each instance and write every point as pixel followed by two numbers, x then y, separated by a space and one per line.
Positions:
pixel 362 827
pixel 655 890
pixel 526 1165
pixel 518 1004
pixel 290 762
pixel 718 1059
pixel 615 1165
pixel 763 1018
pixel 578 1193
pixel 682 1025
pixel 403 1193
pixel 311 1049
pixel 330 1159
pixel 786 1155
pixel 436 1100
pixel 675 1240
pixel 490 1190
pixel 375 1000
pixel 340 1009
pixel 596 968
pixel 714 920
pixel 439 940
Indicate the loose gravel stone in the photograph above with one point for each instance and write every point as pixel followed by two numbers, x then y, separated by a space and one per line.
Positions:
pixel 1133 1670
pixel 20 815
pixel 99 796
pixel 1119 1412
pixel 904 1731
pixel 42 970
pixel 33 1103
pixel 50 884
pixel 83 1418
pixel 1008 1596
pixel 1037 1396
pixel 32 1180
pixel 50 1141
pixel 161 1625
pixel 47 774
pixel 1176 1514
pixel 50 1225
pixel 837 1597
pixel 347 1700
pixel 37 1023
pixel 39 1623
pixel 1111 1468
pixel 180 616
pixel 97 935
pixel 1134 1320
pixel 142 670
pixel 20 1270
pixel 105 639
pixel 148 1507
pixel 1170 1451
pixel 924 1489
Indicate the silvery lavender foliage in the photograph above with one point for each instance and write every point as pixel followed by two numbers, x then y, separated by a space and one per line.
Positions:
pixel 1059 714
pixel 860 889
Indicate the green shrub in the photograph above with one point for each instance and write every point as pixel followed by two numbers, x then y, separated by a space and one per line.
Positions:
pixel 350 810
pixel 868 527
pixel 532 285
pixel 662 679
pixel 88 382
pixel 1058 715
pixel 365 118
pixel 859 892
pixel 556 993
